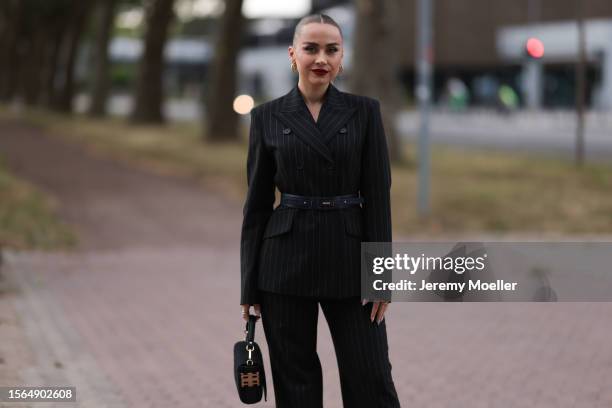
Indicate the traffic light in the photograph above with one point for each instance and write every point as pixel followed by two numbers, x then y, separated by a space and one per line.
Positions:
pixel 534 48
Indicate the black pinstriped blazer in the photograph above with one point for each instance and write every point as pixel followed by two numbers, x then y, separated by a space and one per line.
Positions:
pixel 313 252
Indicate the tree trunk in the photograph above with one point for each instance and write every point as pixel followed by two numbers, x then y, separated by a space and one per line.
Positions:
pixel 32 67
pixel 221 120
pixel 49 91
pixel 11 17
pixel 70 48
pixel 148 98
pixel 101 83
pixel 375 65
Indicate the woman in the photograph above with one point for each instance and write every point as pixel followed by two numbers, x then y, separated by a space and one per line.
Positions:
pixel 326 152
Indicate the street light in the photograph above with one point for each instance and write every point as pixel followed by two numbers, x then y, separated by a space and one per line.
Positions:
pixel 532 72
pixel 534 48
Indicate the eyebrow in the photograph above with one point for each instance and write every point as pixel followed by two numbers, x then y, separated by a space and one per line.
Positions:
pixel 314 43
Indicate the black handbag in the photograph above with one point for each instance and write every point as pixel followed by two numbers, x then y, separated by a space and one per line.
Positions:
pixel 249 367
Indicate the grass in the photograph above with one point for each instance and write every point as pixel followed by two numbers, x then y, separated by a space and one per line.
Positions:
pixel 495 192
pixel 472 191
pixel 174 149
pixel 28 219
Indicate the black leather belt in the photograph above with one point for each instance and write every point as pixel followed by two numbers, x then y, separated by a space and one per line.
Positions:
pixel 320 203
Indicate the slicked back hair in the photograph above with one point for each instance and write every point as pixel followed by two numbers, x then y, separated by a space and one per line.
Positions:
pixel 314 18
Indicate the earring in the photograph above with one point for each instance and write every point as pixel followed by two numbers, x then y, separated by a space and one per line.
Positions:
pixel 293 66
pixel 340 69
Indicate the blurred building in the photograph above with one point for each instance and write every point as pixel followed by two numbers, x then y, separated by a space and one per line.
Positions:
pixel 480 43
pixel 186 59
pixel 263 61
pixel 550 80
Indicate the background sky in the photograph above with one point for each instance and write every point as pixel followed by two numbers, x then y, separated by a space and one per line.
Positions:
pixel 259 8
pixel 187 9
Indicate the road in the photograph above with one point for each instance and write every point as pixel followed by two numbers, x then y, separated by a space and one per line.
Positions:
pixel 551 133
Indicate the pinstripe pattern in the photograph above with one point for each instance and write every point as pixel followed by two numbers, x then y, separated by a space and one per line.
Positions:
pixel 309 252
pixel 290 325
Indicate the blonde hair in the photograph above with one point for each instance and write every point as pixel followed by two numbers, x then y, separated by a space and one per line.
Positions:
pixel 314 18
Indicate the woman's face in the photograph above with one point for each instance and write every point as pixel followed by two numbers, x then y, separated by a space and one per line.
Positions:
pixel 318 53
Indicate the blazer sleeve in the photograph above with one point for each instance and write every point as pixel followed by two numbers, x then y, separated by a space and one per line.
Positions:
pixel 376 191
pixel 376 180
pixel 257 209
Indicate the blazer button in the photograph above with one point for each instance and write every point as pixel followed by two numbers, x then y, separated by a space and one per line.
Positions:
pixel 343 130
pixel 286 131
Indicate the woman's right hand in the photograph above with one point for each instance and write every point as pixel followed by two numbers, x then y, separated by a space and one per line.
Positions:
pixel 245 311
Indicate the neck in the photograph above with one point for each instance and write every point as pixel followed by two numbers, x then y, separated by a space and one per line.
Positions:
pixel 313 94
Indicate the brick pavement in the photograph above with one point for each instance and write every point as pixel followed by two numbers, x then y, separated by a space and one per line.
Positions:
pixel 148 318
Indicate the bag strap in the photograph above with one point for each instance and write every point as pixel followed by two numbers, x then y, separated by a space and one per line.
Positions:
pixel 250 328
pixel 250 338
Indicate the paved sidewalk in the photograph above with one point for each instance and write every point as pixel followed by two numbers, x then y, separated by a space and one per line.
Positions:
pixel 146 312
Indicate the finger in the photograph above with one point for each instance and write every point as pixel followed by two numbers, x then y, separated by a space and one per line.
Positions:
pixel 374 310
pixel 245 312
pixel 257 308
pixel 364 301
pixel 381 312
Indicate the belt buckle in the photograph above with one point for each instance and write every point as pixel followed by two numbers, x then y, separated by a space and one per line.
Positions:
pixel 327 203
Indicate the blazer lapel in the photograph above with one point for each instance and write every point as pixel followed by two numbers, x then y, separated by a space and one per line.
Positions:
pixel 333 114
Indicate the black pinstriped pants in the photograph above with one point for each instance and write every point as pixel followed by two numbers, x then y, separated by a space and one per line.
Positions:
pixel 290 325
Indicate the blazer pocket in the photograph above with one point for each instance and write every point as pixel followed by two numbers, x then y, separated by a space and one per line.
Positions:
pixel 353 222
pixel 280 222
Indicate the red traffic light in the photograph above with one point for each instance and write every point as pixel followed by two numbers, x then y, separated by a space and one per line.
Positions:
pixel 534 48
